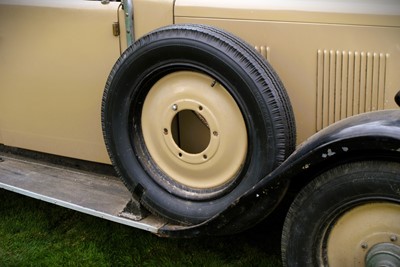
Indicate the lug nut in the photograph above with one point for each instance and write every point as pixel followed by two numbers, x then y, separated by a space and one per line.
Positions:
pixel 174 107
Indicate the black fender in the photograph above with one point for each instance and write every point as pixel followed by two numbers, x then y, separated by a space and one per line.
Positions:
pixel 368 136
pixel 374 135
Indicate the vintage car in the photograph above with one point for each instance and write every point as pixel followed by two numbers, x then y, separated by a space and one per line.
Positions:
pixel 194 104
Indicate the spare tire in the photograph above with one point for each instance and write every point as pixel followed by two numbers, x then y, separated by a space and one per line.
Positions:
pixel 192 118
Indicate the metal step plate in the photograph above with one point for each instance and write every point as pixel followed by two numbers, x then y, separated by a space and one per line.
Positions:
pixel 95 194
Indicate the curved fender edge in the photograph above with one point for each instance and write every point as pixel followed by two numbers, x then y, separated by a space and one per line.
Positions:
pixel 374 135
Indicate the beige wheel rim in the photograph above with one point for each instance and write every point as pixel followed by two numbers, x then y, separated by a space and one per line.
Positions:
pixel 359 230
pixel 203 159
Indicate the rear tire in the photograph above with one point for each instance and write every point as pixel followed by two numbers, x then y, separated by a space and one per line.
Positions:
pixel 227 92
pixel 345 217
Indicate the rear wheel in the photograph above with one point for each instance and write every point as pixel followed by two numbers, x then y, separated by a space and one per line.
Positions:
pixel 348 216
pixel 192 118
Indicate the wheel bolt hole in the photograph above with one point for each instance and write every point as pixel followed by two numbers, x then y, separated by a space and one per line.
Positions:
pixel 200 108
pixel 215 133
pixel 165 131
pixel 180 155
pixel 364 245
pixel 204 156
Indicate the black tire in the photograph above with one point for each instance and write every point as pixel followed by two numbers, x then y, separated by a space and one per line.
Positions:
pixel 242 77
pixel 397 98
pixel 340 216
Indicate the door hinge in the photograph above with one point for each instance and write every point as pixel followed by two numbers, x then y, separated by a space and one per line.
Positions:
pixel 115 29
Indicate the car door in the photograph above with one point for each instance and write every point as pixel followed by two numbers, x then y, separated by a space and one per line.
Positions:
pixel 55 57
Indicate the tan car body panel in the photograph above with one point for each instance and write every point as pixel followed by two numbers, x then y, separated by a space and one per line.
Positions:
pixel 346 12
pixel 336 59
pixel 152 14
pixel 55 57
pixel 332 65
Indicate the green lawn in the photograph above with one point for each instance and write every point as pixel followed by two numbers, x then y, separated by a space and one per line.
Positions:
pixel 34 233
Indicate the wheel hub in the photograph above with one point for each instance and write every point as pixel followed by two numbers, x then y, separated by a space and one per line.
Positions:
pixel 194 131
pixel 363 235
pixel 383 255
pixel 188 154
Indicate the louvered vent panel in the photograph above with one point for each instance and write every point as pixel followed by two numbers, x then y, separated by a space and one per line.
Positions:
pixel 349 83
pixel 263 50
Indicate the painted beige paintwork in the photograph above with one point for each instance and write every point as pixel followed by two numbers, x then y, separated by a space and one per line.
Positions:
pixel 313 50
pixel 345 12
pixel 152 14
pixel 55 57
pixel 336 59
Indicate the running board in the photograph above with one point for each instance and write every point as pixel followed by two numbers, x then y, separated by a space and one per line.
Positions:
pixel 99 195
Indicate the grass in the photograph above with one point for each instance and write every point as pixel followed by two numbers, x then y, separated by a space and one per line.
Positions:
pixel 34 233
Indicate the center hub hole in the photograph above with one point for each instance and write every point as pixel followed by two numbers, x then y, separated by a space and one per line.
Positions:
pixel 190 131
